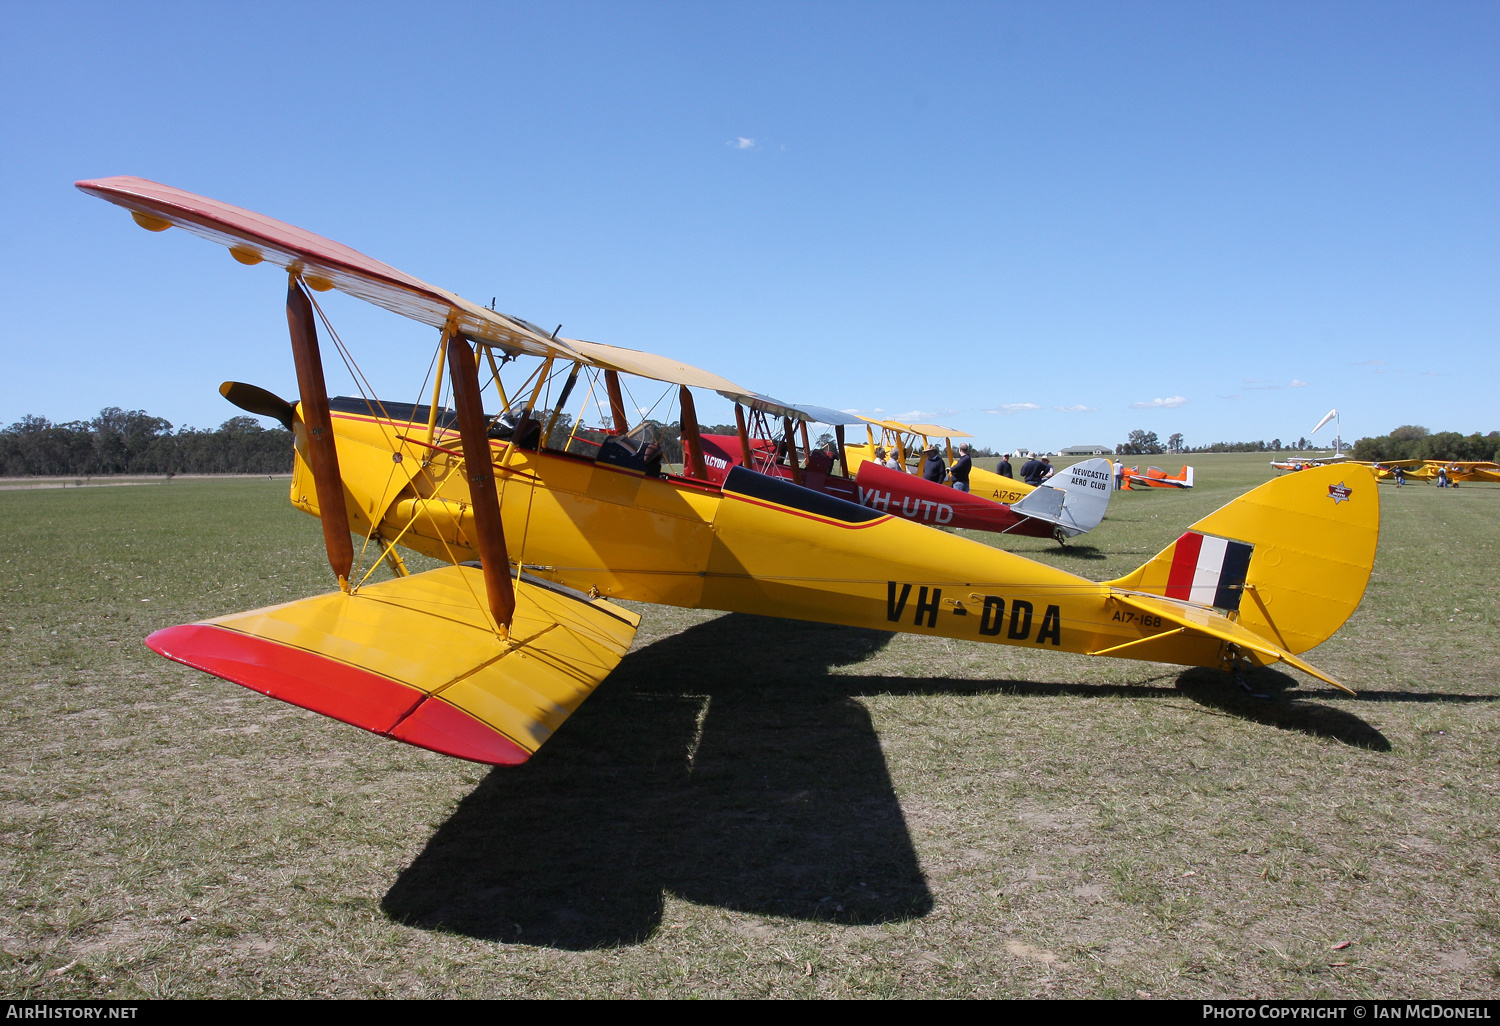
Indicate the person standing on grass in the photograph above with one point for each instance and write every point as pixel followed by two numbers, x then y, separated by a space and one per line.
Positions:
pixel 961 467
pixel 1004 468
pixel 933 468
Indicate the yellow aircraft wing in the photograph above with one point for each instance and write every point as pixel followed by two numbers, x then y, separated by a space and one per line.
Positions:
pixel 323 264
pixel 1195 620
pixel 418 659
pixel 927 430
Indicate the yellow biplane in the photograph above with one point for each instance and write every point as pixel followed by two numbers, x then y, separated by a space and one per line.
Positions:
pixel 900 442
pixel 1429 470
pixel 484 658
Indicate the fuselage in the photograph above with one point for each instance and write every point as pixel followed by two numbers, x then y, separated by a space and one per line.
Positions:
pixel 908 496
pixel 756 545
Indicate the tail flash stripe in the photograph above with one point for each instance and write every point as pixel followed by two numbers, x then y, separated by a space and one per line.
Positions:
pixel 1184 565
pixel 1206 573
pixel 1232 577
pixel 1208 570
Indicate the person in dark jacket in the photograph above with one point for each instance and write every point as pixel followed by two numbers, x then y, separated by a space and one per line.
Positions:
pixel 933 467
pixel 961 467
pixel 1032 471
pixel 1004 469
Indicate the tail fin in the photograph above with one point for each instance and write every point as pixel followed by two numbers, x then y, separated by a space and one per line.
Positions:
pixel 1084 488
pixel 1288 560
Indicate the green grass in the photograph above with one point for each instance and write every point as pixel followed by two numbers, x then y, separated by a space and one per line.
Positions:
pixel 748 806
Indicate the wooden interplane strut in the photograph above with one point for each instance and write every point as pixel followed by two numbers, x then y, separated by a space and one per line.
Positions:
pixel 616 402
pixel 692 446
pixel 790 434
pixel 489 533
pixel 739 420
pixel 321 453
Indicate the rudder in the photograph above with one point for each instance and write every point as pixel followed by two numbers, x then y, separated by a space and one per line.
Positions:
pixel 1288 560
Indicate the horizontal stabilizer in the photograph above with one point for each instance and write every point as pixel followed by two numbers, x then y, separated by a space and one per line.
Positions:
pixel 418 659
pixel 1210 623
pixel 1044 503
pixel 1075 499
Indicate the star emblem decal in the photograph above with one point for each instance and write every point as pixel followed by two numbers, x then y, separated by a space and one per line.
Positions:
pixel 1339 493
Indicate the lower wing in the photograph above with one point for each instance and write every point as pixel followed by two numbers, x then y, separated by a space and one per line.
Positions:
pixel 418 659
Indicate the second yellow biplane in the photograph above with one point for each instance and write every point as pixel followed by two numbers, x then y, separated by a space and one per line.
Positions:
pixel 485 658
pixel 903 445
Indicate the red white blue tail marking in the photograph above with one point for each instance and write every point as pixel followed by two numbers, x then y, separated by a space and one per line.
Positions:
pixel 1209 570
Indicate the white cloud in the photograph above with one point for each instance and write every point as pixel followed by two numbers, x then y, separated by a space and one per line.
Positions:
pixel 741 143
pixel 1160 404
pixel 1378 366
pixel 1080 408
pixel 1231 397
pixel 1297 383
pixel 1009 408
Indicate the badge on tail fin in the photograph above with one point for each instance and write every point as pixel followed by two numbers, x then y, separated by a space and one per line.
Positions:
pixel 1074 499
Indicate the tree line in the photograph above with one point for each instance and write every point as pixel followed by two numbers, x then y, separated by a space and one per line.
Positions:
pixel 1408 442
pixel 134 442
pixel 1414 442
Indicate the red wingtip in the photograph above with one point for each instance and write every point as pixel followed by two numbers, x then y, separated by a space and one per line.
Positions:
pixel 442 728
pixel 336 689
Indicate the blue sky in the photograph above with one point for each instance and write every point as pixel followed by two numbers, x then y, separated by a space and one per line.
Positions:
pixel 1047 224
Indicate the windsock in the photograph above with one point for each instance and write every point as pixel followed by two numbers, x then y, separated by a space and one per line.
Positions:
pixel 1330 415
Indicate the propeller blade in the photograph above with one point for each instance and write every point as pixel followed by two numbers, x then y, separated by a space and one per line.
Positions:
pixel 254 399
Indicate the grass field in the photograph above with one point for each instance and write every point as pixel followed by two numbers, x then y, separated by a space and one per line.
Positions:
pixel 749 807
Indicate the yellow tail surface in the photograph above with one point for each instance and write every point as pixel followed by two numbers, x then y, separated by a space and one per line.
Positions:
pixel 1288 561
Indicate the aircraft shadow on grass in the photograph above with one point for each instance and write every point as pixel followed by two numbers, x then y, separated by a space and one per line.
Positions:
pixel 727 766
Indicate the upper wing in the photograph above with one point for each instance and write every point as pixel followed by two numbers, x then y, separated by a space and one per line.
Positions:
pixel 929 430
pixel 796 411
pixel 937 431
pixel 324 264
pixel 417 659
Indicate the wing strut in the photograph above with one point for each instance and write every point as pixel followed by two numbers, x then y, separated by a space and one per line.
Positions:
pixel 463 367
pixel 739 420
pixel 791 449
pixel 692 455
pixel 320 446
pixel 616 402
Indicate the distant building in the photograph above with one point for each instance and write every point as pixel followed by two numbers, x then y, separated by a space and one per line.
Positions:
pixel 1086 450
